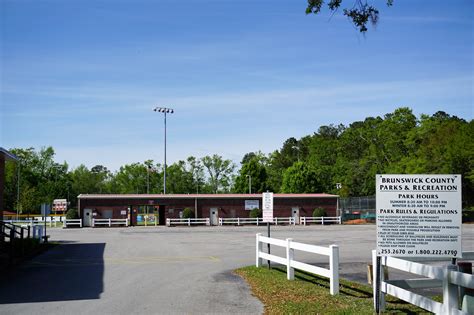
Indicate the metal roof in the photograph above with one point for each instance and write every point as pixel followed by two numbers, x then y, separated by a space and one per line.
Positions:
pixel 8 155
pixel 199 196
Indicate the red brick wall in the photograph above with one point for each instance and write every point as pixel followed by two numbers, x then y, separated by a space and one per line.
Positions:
pixel 226 207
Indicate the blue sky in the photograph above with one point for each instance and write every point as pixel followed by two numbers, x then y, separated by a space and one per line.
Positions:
pixel 83 76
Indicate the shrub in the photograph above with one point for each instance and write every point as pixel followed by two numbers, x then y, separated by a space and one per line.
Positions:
pixel 255 213
pixel 72 214
pixel 188 213
pixel 319 212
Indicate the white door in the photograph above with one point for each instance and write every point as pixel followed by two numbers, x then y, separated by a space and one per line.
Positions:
pixel 214 216
pixel 295 214
pixel 87 217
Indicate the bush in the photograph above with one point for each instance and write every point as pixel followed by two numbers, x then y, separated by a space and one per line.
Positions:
pixel 72 214
pixel 319 212
pixel 255 213
pixel 188 213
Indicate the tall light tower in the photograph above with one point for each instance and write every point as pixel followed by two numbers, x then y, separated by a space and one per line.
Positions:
pixel 165 111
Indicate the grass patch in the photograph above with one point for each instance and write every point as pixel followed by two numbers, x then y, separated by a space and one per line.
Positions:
pixel 309 294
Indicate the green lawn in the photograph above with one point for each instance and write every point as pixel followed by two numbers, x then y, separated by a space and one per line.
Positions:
pixel 309 294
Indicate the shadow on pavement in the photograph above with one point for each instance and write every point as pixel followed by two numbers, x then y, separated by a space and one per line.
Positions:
pixel 67 272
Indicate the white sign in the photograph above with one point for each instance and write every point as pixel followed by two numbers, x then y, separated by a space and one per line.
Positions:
pixel 267 209
pixel 123 212
pixel 419 215
pixel 59 204
pixel 252 204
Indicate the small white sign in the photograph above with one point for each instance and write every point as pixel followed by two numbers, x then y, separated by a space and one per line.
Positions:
pixel 267 209
pixel 252 204
pixel 123 212
pixel 419 215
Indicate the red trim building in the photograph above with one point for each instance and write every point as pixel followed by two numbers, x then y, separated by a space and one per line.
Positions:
pixel 203 205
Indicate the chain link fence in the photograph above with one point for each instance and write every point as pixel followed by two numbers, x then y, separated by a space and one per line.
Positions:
pixel 357 208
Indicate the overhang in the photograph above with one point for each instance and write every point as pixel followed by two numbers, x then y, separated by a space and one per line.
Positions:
pixel 7 155
pixel 201 196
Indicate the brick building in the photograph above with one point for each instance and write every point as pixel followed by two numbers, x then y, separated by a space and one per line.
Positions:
pixel 212 206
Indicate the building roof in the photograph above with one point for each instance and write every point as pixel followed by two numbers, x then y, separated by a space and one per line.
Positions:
pixel 199 196
pixel 8 155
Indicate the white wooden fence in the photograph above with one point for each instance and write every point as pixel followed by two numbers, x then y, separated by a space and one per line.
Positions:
pixel 446 277
pixel 257 221
pixel 188 222
pixel 321 220
pixel 332 251
pixel 71 222
pixel 109 222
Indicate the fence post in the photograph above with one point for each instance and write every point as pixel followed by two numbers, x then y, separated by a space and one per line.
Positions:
pixel 80 223
pixel 375 276
pixel 322 220
pixel 450 291
pixel 110 222
pixel 290 254
pixel 334 267
pixel 340 220
pixel 238 221
pixel 93 222
pixel 276 220
pixel 208 221
pixel 258 219
pixel 258 260
pixel 189 222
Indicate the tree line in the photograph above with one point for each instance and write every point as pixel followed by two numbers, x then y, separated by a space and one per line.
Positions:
pixel 335 159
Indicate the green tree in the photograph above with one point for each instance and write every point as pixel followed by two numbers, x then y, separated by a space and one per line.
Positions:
pixel 219 171
pixel 299 178
pixel 254 169
pixel 360 13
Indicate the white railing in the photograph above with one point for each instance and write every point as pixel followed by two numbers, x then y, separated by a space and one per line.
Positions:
pixel 332 251
pixel 109 222
pixel 69 222
pixel 257 221
pixel 446 277
pixel 188 222
pixel 321 220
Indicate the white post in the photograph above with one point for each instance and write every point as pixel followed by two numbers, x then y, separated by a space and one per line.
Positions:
pixel 290 253
pixel 450 291
pixel 276 220
pixel 110 222
pixel 334 267
pixel 258 260
pixel 189 222
pixel 93 222
pixel 146 219
pixel 208 221
pixel 167 222
pixel 80 223
pixel 322 220
pixel 238 221
pixel 374 276
pixel 258 219
pixel 340 220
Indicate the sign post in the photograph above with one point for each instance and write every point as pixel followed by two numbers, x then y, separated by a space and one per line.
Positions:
pixel 45 211
pixel 417 216
pixel 267 214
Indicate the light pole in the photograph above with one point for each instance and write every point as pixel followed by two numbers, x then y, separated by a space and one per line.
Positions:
pixel 165 111
pixel 250 183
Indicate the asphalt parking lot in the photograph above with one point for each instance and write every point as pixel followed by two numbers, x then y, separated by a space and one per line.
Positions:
pixel 161 270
